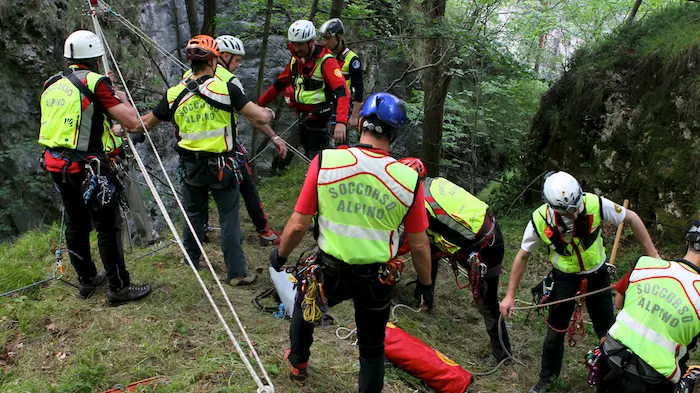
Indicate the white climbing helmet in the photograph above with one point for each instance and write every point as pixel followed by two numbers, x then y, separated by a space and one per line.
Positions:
pixel 230 44
pixel 83 44
pixel 562 192
pixel 301 31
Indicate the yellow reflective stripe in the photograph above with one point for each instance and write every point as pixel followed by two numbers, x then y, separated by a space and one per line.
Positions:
pixel 676 350
pixel 354 232
pixel 367 165
pixel 199 135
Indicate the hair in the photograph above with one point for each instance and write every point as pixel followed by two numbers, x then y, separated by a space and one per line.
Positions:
pixel 199 65
pixel 388 132
pixel 91 64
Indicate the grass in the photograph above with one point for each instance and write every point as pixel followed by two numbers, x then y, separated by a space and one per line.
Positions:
pixel 50 341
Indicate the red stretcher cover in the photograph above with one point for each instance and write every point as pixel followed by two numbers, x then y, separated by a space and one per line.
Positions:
pixel 415 357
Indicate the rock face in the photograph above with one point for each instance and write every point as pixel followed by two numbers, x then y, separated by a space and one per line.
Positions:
pixel 624 118
pixel 31 51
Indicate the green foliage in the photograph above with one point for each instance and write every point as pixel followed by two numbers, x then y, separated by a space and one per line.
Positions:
pixel 491 129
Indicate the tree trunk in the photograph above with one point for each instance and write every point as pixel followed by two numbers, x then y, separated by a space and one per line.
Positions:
pixel 314 9
pixel 191 6
pixel 261 71
pixel 337 8
pixel 178 39
pixel 633 13
pixel 209 24
pixel 436 81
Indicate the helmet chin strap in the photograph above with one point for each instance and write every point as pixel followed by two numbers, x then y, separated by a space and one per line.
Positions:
pixel 226 64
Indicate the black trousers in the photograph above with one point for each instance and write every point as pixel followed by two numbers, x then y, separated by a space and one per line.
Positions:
pixel 314 135
pixel 487 304
pixel 599 306
pixel 80 219
pixel 198 182
pixel 372 301
pixel 627 382
pixel 249 192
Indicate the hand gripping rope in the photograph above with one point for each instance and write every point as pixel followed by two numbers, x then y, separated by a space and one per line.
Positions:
pixel 262 388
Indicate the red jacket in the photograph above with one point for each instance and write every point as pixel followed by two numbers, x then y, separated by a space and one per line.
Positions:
pixel 332 76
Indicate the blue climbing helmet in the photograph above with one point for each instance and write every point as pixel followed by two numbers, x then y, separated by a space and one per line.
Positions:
pixel 387 108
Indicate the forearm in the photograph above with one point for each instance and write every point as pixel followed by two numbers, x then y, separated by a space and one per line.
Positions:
pixel 265 129
pixel 293 233
pixel 420 254
pixel 641 234
pixel 619 301
pixel 356 109
pixel 516 273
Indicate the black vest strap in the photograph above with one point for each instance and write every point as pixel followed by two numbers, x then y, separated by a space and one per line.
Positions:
pixel 68 73
pixel 192 86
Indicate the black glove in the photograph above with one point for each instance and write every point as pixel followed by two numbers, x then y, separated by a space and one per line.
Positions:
pixel 276 261
pixel 138 138
pixel 425 292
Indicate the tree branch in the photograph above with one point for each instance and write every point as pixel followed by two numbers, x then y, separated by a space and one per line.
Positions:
pixel 412 70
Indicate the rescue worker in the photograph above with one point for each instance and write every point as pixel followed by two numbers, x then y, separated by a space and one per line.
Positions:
pixel 361 196
pixel 332 32
pixel 75 107
pixel 569 224
pixel 202 108
pixel 319 89
pixel 647 348
pixel 232 52
pixel 460 226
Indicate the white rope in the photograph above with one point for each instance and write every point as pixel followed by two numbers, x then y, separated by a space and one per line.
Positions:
pixel 269 143
pixel 134 29
pixel 261 387
pixel 344 333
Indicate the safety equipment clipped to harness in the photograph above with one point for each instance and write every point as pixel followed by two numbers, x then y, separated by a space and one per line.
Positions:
pixel 97 189
pixel 390 272
pixel 310 288
pixel 593 365
pixel 420 360
pixel 689 381
pixel 476 271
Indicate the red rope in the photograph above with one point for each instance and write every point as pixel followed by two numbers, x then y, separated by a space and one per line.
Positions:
pixel 576 323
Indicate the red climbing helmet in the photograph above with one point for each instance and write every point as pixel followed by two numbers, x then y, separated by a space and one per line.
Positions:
pixel 416 164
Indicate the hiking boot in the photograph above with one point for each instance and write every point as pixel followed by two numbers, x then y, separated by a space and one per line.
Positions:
pixel 242 281
pixel 87 289
pixel 540 387
pixel 299 374
pixel 128 294
pixel 269 237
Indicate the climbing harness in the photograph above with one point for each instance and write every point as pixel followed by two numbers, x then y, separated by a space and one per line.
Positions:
pixel 390 272
pixel 266 387
pixel 475 272
pixel 576 323
pixel 96 189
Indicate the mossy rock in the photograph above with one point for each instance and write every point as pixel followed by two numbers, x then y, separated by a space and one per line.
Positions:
pixel 624 118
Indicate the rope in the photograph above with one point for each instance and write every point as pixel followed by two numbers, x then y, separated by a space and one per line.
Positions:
pixel 131 27
pixel 261 387
pixel 270 141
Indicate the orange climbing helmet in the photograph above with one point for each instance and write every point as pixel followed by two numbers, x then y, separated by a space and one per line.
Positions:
pixel 202 47
pixel 416 164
